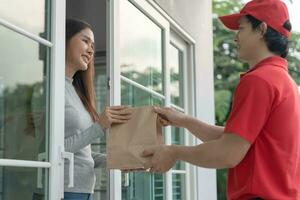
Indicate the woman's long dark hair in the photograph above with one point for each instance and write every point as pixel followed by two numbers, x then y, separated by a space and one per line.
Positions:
pixel 83 81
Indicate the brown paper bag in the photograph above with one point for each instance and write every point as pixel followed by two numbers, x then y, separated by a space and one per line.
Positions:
pixel 126 142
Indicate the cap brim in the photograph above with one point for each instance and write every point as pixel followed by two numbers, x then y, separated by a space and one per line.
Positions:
pixel 231 21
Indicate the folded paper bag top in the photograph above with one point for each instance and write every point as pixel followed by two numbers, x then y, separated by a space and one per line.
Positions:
pixel 127 141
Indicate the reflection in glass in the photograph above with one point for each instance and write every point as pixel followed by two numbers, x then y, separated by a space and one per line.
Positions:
pixel 18 183
pixel 178 186
pixel 176 76
pixel 144 186
pixel 133 96
pixel 140 48
pixel 23 96
pixel 177 135
pixel 31 15
pixel 99 146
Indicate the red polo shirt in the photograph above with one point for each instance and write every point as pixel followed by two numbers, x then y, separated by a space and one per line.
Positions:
pixel 266 112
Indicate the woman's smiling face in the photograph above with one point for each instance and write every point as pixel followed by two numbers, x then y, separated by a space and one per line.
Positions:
pixel 80 50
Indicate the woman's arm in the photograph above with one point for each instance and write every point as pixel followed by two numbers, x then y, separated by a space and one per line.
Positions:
pixel 81 139
pixel 99 159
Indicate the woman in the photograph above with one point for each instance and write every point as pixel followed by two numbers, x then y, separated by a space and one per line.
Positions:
pixel 82 123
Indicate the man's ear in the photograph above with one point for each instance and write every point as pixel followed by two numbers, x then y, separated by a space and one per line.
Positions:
pixel 262 28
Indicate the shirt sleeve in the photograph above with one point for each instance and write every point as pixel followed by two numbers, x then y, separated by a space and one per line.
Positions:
pixel 81 139
pixel 99 159
pixel 251 106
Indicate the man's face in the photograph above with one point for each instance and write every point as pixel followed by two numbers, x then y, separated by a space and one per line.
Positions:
pixel 247 40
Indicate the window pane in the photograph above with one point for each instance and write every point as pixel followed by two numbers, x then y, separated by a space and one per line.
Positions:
pixel 22 183
pixel 31 15
pixel 23 97
pixel 158 187
pixel 144 186
pixel 140 48
pixel 99 146
pixel 176 76
pixel 178 186
pixel 177 135
pixel 133 96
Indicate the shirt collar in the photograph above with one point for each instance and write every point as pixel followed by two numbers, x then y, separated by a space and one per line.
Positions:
pixel 69 80
pixel 276 61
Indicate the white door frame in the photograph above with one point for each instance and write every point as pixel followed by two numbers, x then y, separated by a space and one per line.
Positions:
pixel 56 126
pixel 152 10
pixel 115 72
pixel 57 101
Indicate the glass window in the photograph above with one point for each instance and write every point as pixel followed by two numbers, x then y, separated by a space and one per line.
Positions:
pixel 144 186
pixel 133 96
pixel 141 61
pixel 140 48
pixel 158 187
pixel 31 15
pixel 178 183
pixel 176 64
pixel 22 183
pixel 177 135
pixel 176 76
pixel 23 96
pixel 99 146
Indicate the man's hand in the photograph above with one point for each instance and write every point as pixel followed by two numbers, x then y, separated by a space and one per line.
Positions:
pixel 162 158
pixel 169 116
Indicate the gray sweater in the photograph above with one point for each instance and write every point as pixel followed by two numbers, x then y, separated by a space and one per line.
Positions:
pixel 80 132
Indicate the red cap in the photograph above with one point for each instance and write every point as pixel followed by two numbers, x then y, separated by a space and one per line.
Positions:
pixel 273 12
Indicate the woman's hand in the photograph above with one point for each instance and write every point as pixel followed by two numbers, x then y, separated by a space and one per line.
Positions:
pixel 114 114
pixel 168 116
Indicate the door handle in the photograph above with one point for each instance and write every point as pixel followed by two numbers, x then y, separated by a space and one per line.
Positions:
pixel 39 181
pixel 70 157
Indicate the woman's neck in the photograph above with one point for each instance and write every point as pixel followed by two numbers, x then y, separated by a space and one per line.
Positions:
pixel 69 71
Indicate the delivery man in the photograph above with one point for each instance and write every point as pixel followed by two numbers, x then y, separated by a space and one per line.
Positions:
pixel 260 143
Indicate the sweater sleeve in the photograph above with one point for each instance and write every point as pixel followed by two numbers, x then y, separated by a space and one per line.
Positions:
pixel 99 159
pixel 81 139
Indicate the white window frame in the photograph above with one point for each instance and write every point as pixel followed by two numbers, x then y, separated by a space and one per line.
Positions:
pixel 56 127
pixel 153 11
pixel 195 173
pixel 182 46
pixel 115 73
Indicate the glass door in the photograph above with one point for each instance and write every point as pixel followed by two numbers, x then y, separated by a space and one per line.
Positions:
pixel 31 112
pixel 178 91
pixel 149 66
pixel 139 37
pixel 141 65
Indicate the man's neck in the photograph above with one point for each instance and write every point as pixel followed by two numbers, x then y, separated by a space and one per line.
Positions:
pixel 261 56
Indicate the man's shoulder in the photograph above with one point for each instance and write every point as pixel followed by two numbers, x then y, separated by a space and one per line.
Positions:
pixel 270 75
pixel 254 79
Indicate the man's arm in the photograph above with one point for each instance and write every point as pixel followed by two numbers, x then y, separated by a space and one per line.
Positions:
pixel 201 130
pixel 225 152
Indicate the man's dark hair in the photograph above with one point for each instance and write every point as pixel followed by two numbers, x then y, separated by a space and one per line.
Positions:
pixel 276 42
